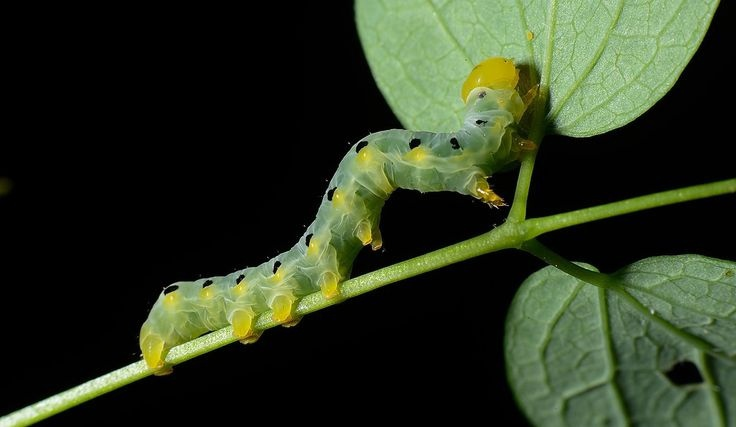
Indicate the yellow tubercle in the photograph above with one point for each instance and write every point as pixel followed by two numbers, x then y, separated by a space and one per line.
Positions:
pixel 417 154
pixel 240 289
pixel 242 321
pixel 171 299
pixel 281 306
pixel 529 35
pixel 338 198
pixel 206 293
pixel 277 277
pixel 493 73
pixel 313 248
pixel 365 155
pixel 328 285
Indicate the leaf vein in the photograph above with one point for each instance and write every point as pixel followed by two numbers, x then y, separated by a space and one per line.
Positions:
pixel 609 352
pixel 443 25
pixel 525 22
pixel 589 67
pixel 553 322
pixel 606 101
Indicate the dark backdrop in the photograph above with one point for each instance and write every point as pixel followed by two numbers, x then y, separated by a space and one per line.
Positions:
pixel 148 146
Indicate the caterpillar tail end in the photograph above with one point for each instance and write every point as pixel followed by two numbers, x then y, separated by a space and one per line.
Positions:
pixel 154 351
pixel 152 347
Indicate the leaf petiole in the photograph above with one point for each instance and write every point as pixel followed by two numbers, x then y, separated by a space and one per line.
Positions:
pixel 614 284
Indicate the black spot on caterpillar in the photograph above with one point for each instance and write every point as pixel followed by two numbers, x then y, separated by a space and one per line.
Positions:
pixel 360 146
pixel 348 217
pixel 169 289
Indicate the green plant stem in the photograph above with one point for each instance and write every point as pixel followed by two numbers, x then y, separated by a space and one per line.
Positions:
pixel 357 286
pixel 517 213
pixel 538 226
pixel 76 395
pixel 509 235
pixel 537 249
pixel 523 182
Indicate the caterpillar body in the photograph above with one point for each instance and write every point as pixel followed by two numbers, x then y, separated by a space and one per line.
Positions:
pixel 348 216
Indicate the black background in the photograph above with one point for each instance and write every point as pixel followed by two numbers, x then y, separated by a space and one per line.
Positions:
pixel 148 146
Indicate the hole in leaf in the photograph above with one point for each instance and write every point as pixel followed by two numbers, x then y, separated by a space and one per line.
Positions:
pixel 684 373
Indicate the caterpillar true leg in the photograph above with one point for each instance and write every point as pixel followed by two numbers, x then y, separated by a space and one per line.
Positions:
pixel 526 144
pixel 484 192
pixel 349 215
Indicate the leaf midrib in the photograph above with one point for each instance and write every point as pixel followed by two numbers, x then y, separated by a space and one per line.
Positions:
pixel 544 78
pixel 716 398
pixel 609 352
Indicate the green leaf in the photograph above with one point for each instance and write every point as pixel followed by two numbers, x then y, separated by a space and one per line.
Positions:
pixel 604 62
pixel 582 355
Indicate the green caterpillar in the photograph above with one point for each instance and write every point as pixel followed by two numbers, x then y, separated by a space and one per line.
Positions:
pixel 348 216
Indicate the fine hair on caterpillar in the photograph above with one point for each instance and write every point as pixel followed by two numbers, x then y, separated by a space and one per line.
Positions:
pixel 349 214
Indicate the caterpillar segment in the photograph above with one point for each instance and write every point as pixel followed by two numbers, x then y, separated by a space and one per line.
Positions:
pixel 348 217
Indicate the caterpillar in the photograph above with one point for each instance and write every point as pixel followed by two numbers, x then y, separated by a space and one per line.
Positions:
pixel 348 216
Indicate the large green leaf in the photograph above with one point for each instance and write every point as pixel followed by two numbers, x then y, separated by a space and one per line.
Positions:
pixel 605 62
pixel 581 355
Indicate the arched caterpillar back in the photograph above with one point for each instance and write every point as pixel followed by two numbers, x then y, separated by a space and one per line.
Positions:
pixel 349 215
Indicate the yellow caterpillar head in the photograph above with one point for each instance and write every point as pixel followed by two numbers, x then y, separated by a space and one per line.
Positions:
pixel 493 73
